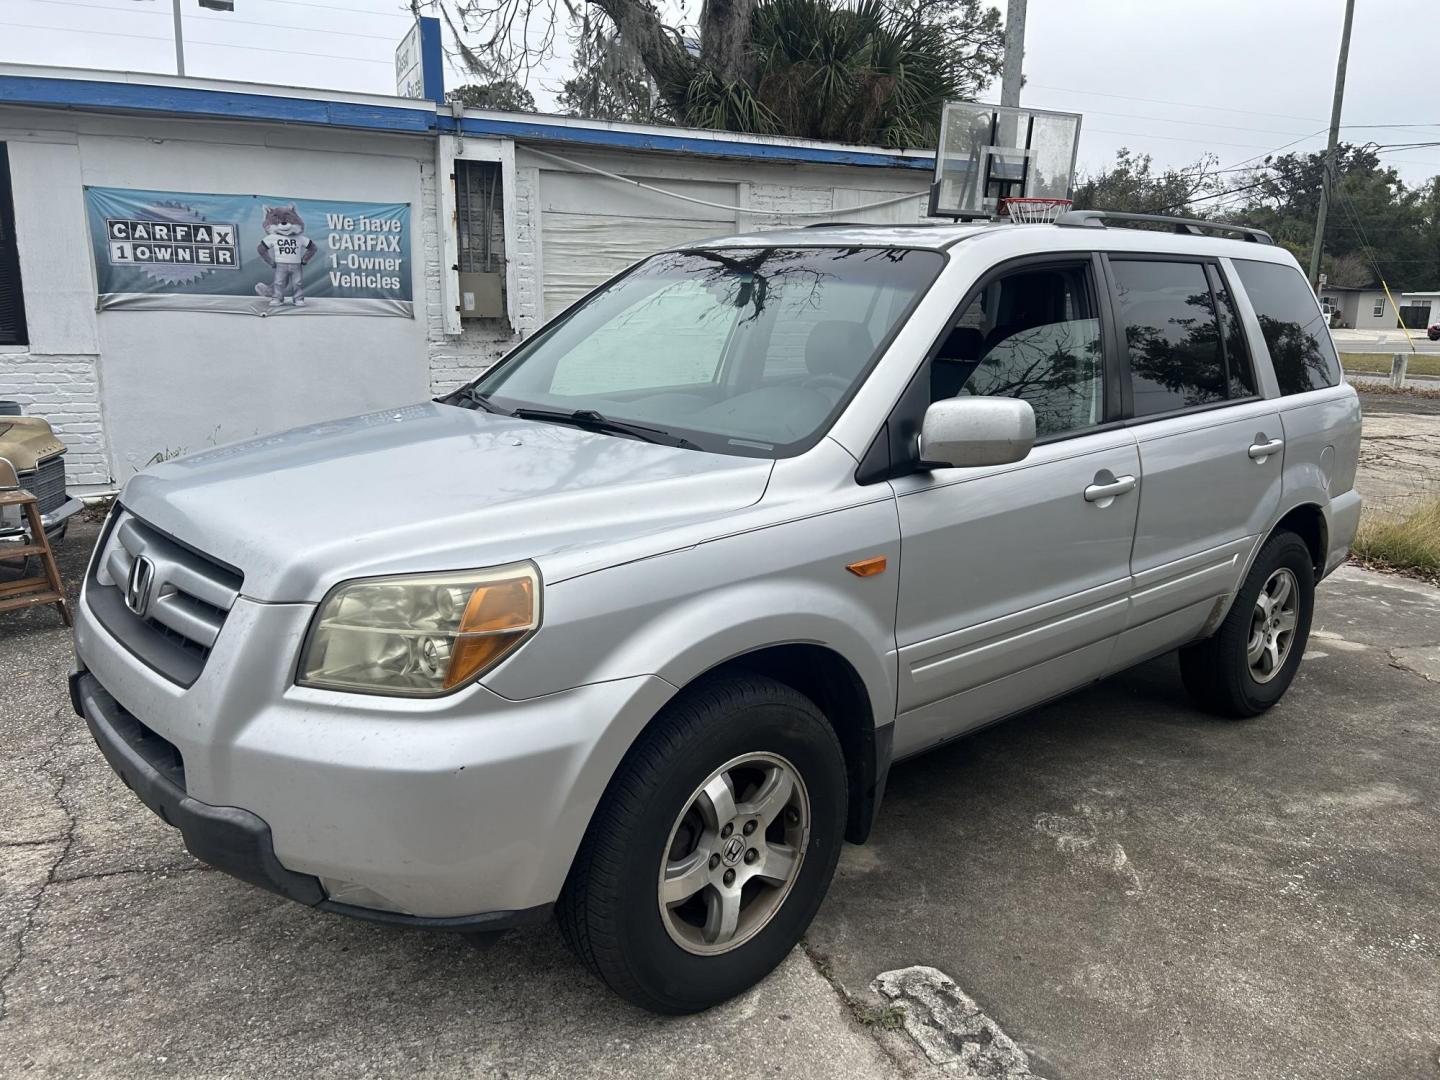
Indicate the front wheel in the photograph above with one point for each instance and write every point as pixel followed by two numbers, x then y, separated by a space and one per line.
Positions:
pixel 712 848
pixel 1248 664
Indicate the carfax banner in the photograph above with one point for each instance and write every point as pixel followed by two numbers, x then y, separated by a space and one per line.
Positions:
pixel 253 254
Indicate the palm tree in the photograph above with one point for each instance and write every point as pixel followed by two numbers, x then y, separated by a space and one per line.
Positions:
pixel 819 69
pixel 871 71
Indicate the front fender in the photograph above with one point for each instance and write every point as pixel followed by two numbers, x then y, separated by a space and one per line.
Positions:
pixel 681 614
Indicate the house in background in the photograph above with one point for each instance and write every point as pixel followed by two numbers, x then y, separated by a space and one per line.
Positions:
pixel 1420 309
pixel 1357 308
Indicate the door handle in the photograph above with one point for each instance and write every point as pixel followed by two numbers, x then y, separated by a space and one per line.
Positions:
pixel 1101 492
pixel 1262 450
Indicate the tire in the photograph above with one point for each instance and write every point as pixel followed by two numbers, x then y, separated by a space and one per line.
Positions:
pixel 610 912
pixel 1218 672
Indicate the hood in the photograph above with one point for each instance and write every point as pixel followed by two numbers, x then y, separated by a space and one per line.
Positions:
pixel 27 440
pixel 432 487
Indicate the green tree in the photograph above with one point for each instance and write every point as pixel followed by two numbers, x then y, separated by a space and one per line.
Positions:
pixel 873 71
pixel 1132 186
pixel 1373 217
pixel 609 82
pixel 506 95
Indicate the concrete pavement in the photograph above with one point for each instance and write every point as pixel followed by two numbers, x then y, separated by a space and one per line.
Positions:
pixel 1124 886
pixel 1134 889
pixel 1370 341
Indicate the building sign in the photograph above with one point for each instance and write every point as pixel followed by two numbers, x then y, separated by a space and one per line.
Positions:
pixel 418 63
pixel 253 254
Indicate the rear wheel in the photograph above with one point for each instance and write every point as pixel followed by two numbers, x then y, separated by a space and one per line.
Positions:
pixel 1248 664
pixel 712 849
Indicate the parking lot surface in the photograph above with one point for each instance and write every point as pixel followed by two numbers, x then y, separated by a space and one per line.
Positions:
pixel 1127 887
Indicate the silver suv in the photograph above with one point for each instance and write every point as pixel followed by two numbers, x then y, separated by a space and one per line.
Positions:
pixel 632 628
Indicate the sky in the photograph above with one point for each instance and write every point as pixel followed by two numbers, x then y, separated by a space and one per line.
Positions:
pixel 1247 78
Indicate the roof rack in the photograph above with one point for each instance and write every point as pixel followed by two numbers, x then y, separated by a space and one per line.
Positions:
pixel 873 225
pixel 1099 219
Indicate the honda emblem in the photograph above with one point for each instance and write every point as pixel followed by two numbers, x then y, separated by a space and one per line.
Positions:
pixel 137 587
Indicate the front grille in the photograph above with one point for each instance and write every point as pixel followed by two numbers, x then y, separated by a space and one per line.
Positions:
pixel 46 482
pixel 182 611
pixel 159 752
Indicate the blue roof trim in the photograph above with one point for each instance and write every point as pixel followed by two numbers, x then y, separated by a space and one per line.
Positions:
pixel 212 104
pixel 538 130
pixel 85 94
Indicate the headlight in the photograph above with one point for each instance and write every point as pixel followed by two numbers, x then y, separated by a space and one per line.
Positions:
pixel 420 635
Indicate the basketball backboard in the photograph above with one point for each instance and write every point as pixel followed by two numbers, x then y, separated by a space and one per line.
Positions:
pixel 990 152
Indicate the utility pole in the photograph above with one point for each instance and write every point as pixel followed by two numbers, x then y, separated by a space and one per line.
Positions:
pixel 213 5
pixel 1010 77
pixel 179 41
pixel 1329 175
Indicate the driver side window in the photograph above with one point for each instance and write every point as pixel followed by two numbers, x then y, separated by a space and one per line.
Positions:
pixel 1033 334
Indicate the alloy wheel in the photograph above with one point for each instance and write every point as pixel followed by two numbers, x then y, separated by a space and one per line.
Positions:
pixel 734 853
pixel 1272 625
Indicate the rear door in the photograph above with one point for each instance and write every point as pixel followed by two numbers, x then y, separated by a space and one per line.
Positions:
pixel 1211 448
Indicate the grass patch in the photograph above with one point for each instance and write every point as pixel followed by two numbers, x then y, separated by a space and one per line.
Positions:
pixel 1375 363
pixel 885 1017
pixel 1411 543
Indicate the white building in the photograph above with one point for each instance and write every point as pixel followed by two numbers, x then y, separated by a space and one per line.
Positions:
pixel 1422 309
pixel 518 205
pixel 1357 309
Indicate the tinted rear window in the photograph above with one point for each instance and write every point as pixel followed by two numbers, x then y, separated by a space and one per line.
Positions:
pixel 1295 333
pixel 1172 334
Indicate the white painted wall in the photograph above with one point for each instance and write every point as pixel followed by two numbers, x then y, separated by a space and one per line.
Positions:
pixel 626 222
pixel 57 373
pixel 1365 318
pixel 123 386
pixel 172 381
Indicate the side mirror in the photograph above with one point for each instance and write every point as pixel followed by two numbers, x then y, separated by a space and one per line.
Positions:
pixel 967 431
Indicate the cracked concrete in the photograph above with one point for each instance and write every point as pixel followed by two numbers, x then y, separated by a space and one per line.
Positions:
pixel 1399 454
pixel 950 1027
pixel 1285 925
pixel 120 955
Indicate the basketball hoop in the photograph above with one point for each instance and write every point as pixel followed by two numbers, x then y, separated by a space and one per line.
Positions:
pixel 1030 211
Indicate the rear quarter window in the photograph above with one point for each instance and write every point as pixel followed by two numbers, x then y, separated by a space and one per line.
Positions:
pixel 1295 332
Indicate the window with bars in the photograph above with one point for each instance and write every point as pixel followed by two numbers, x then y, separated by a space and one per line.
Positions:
pixel 12 299
pixel 480 228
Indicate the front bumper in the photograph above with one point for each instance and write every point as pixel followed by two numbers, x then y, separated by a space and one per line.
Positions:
pixel 439 811
pixel 226 837
pixel 49 522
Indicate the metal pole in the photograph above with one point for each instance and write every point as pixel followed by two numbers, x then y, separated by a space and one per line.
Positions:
pixel 179 42
pixel 1328 178
pixel 1014 53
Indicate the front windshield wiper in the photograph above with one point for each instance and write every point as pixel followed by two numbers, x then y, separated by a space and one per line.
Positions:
pixel 591 420
pixel 469 395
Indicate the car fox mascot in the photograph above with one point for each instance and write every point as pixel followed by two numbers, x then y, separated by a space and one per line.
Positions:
pixel 286 249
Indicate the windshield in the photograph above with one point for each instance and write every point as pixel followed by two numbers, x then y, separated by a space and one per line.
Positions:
pixel 740 351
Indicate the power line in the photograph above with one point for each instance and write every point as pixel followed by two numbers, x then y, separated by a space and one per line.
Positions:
pixel 1162 101
pixel 1187 123
pixel 199 41
pixel 1189 139
pixel 220 19
pixel 345 10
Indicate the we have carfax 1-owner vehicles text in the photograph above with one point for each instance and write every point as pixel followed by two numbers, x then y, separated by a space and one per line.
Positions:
pixel 652 607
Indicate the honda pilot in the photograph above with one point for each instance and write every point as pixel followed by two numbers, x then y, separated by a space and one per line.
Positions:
pixel 630 630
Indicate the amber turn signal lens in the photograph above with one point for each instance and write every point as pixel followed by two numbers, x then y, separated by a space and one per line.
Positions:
pixel 495 618
pixel 867 567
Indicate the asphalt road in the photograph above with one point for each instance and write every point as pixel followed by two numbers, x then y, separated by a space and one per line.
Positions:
pixel 1127 887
